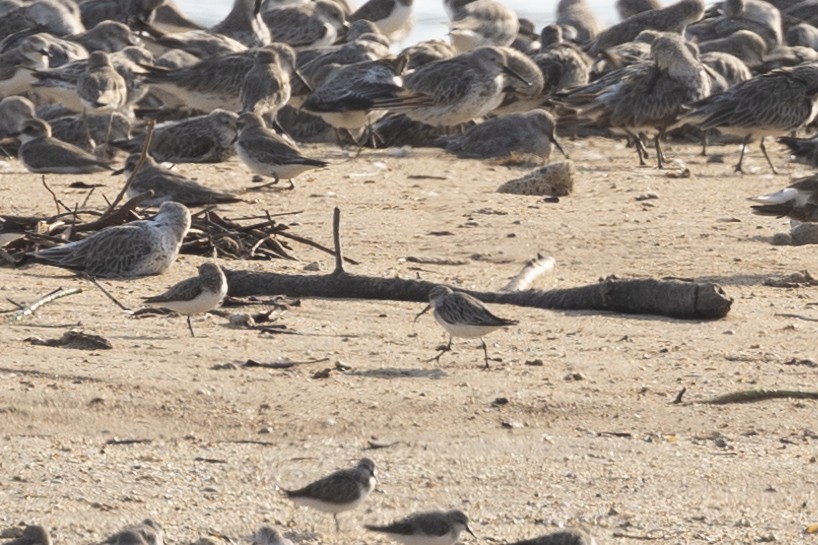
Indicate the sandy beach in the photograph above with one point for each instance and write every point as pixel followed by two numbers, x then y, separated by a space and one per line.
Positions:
pixel 573 425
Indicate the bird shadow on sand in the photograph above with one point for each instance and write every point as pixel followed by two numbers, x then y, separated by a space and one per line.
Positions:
pixel 400 372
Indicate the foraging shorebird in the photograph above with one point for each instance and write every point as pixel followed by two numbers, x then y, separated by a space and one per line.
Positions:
pixel 268 154
pixel 40 152
pixel 138 248
pixel 772 104
pixel 798 201
pixel 340 491
pixel 461 315
pixel 196 295
pixel 168 185
pixel 432 528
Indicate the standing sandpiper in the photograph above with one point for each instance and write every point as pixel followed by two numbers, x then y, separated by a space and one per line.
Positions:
pixel 340 491
pixel 194 295
pixel 461 315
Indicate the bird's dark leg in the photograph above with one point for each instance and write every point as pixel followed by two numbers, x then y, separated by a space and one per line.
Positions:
pixel 442 350
pixel 741 156
pixel 337 524
pixel 704 143
pixel 657 144
pixel 190 326
pixel 485 352
pixel 767 157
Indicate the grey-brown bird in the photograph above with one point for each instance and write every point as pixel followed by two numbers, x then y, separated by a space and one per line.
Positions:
pixel 101 86
pixel 40 152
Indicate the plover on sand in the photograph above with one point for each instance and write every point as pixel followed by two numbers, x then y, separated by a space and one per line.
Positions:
pixel 168 185
pixel 138 248
pixel 268 154
pixel 461 315
pixel 40 152
pixel 195 295
pixel 201 139
pixel 771 104
pixel 798 201
pixel 340 491
pixel 33 534
pixel 432 528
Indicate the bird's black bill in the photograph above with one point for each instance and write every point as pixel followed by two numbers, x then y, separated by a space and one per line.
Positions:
pixel 422 312
pixel 516 75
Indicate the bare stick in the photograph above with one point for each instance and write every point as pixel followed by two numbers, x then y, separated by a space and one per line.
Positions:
pixel 120 215
pixel 145 147
pixel 53 296
pixel 336 241
pixel 107 294
pixel 88 196
pixel 57 202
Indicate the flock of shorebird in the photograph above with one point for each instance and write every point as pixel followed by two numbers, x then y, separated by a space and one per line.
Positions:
pixel 80 77
pixel 343 490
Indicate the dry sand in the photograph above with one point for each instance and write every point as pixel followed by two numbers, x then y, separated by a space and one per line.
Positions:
pixel 588 439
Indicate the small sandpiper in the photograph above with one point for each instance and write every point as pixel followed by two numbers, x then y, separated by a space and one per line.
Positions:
pixel 266 153
pixel 340 491
pixel 432 528
pixel 195 295
pixel 461 315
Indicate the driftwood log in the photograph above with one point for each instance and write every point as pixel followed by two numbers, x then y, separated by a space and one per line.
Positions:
pixel 673 298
